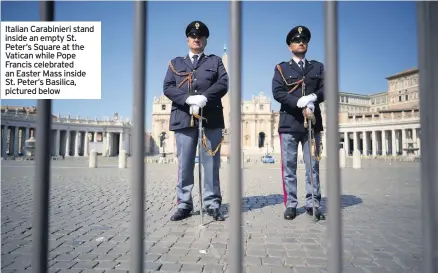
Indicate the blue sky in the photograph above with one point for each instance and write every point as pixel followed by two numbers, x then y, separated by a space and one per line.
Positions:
pixel 376 39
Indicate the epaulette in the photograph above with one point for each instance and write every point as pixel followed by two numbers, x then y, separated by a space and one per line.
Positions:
pixel 282 64
pixel 314 62
pixel 212 56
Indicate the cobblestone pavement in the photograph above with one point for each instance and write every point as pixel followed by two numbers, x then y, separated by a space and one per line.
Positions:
pixel 90 215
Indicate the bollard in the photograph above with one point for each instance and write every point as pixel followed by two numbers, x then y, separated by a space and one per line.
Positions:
pixel 123 159
pixel 342 158
pixel 93 159
pixel 357 164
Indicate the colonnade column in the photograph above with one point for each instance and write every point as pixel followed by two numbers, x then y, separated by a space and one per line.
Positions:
pixel 365 143
pixel 58 142
pixel 67 143
pixel 374 143
pixel 394 147
pixel 86 140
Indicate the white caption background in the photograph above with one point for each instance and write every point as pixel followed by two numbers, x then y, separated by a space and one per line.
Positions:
pixel 26 74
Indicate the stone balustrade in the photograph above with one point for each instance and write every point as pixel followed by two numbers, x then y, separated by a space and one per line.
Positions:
pixel 67 120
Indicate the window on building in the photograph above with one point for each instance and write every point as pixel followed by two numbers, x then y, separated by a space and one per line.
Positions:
pixel 163 107
pixel 399 98
pixel 261 107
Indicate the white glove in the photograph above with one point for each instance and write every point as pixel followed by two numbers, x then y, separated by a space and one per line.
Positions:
pixel 200 100
pixel 303 101
pixel 311 106
pixel 194 109
pixel 190 100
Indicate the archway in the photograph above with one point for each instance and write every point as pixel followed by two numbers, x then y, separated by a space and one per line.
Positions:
pixel 262 136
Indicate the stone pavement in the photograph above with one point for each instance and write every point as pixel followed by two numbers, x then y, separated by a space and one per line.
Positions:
pixel 90 215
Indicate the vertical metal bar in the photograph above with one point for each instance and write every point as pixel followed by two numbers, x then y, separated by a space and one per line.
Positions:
pixel 236 242
pixel 428 67
pixel 41 196
pixel 138 138
pixel 331 86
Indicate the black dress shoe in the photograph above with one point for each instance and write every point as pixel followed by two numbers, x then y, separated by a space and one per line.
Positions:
pixel 181 214
pixel 216 214
pixel 290 213
pixel 319 215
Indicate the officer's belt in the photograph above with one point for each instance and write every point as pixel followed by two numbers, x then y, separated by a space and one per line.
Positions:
pixel 294 85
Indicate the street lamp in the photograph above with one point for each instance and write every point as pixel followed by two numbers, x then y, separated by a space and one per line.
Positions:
pixel 162 142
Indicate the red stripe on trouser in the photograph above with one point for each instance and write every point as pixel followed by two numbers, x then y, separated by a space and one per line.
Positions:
pixel 282 172
pixel 177 182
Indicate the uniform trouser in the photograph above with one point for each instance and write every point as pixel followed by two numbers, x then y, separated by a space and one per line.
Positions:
pixel 186 146
pixel 289 151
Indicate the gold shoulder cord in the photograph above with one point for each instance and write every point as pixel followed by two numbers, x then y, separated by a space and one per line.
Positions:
pixel 188 78
pixel 306 112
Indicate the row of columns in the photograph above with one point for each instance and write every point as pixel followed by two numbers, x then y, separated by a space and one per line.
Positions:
pixel 14 138
pixel 67 142
pixel 383 142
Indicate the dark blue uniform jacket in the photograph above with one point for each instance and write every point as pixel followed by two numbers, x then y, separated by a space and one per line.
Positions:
pixel 209 79
pixel 291 117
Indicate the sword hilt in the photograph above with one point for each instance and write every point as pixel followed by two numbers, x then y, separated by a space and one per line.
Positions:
pixel 199 117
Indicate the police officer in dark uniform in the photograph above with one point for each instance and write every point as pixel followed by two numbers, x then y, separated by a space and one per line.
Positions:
pixel 299 84
pixel 196 84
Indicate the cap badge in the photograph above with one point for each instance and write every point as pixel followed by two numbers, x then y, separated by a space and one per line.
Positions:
pixel 300 29
pixel 197 25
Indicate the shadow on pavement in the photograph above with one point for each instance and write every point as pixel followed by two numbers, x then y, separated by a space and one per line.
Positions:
pixel 258 202
pixel 250 203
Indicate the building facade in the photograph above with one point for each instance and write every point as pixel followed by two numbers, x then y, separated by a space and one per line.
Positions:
pixel 71 136
pixel 383 123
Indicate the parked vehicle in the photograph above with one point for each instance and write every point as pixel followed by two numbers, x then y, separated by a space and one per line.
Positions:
pixel 268 159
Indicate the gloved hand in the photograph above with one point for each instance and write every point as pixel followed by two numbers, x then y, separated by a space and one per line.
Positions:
pixel 199 100
pixel 190 100
pixel 303 101
pixel 194 109
pixel 311 106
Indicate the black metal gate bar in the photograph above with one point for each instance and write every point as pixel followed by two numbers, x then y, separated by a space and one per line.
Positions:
pixel 331 88
pixel 41 196
pixel 138 139
pixel 236 242
pixel 428 67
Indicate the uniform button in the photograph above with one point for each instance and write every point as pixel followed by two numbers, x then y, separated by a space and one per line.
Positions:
pixel 194 79
pixel 196 91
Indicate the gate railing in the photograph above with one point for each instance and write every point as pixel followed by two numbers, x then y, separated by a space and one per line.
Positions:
pixel 428 66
